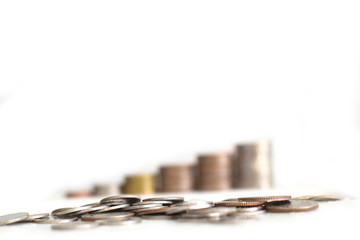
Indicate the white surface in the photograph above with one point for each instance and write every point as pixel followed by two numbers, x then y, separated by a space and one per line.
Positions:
pixel 332 220
pixel 93 90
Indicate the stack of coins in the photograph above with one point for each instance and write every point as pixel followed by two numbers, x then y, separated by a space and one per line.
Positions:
pixel 177 178
pixel 214 171
pixel 106 189
pixel 139 184
pixel 252 165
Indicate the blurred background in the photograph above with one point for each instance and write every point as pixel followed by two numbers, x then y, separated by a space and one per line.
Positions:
pixel 93 90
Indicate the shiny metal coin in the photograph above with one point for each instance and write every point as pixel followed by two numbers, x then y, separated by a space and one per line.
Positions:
pixel 104 216
pixel 326 198
pixel 55 221
pixel 13 218
pixel 37 216
pixel 92 209
pixel 153 202
pixel 291 206
pixel 250 209
pixel 116 222
pixel 143 206
pixel 112 208
pixel 74 226
pixel 239 203
pixel 307 197
pixel 154 210
pixel 265 198
pixel 171 199
pixel 121 199
pixel 69 212
pixel 209 212
pixel 189 205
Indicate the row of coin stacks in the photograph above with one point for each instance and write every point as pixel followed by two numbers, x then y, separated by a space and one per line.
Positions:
pixel 249 166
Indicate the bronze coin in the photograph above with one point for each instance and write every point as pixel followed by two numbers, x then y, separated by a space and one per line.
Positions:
pixel 239 203
pixel 291 206
pixel 266 198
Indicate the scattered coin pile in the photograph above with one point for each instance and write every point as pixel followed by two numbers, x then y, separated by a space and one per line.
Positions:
pixel 249 166
pixel 131 209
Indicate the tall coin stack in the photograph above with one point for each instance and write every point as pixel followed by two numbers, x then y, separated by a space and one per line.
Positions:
pixel 214 171
pixel 252 165
pixel 177 178
pixel 139 184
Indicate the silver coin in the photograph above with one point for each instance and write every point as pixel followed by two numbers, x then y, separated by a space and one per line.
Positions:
pixel 292 205
pixel 91 209
pixel 55 221
pixel 153 210
pixel 104 216
pixel 143 206
pixel 112 208
pixel 326 198
pixel 307 197
pixel 153 202
pixel 250 209
pixel 115 222
pixel 121 199
pixel 34 217
pixel 64 212
pixel 189 205
pixel 74 225
pixel 13 218
pixel 209 212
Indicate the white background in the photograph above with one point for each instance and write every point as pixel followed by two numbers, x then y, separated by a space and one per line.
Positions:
pixel 93 90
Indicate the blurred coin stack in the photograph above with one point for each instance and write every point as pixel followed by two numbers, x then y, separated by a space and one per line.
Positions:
pixel 177 178
pixel 106 189
pixel 214 171
pixel 252 165
pixel 139 184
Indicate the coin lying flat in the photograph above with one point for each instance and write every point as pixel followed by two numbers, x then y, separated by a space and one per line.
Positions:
pixel 13 218
pixel 265 198
pixel 37 216
pixel 74 225
pixel 171 199
pixel 102 216
pixel 120 199
pixel 55 221
pixel 291 206
pixel 307 197
pixel 116 222
pixel 112 208
pixel 325 198
pixel 239 203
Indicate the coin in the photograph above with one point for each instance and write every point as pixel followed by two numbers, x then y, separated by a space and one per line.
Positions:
pixel 143 206
pixel 265 198
pixel 307 197
pixel 34 217
pixel 291 206
pixel 13 218
pixel 120 199
pixel 106 189
pixel 55 221
pixel 172 199
pixel 102 216
pixel 115 222
pixel 239 203
pixel 154 210
pixel 79 194
pixel 74 225
pixel 325 198
pixel 112 208
pixel 250 209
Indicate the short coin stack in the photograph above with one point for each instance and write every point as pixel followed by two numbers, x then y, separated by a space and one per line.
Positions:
pixel 131 209
pixel 177 178
pixel 139 184
pixel 214 171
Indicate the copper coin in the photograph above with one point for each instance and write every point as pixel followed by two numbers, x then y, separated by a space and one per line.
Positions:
pixel 155 210
pixel 239 203
pixel 266 198
pixel 291 206
pixel 79 194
